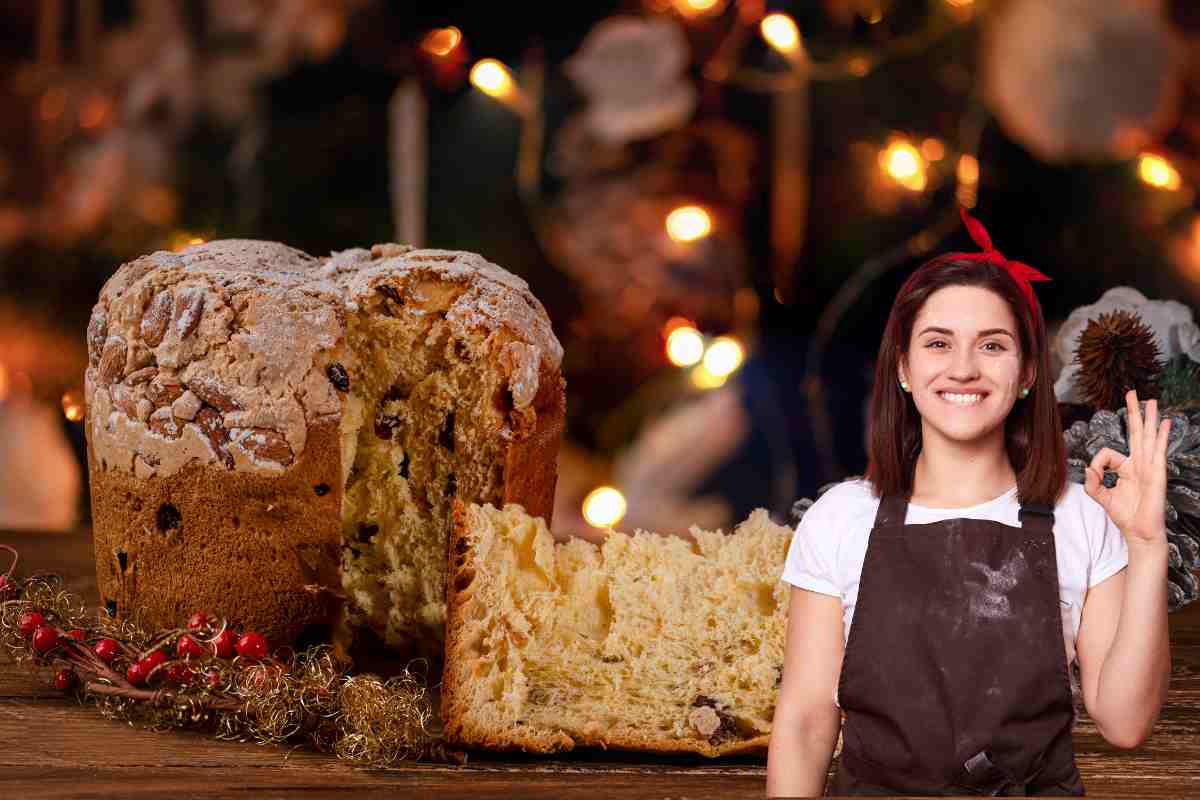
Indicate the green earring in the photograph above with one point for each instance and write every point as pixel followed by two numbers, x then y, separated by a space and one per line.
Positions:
pixel 1025 392
pixel 904 385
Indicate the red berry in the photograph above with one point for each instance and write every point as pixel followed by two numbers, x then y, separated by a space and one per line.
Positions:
pixel 214 679
pixel 29 622
pixel 106 650
pixel 178 674
pixel 135 674
pixel 189 648
pixel 223 644
pixel 252 645
pixel 151 661
pixel 65 679
pixel 45 639
pixel 198 620
pixel 76 633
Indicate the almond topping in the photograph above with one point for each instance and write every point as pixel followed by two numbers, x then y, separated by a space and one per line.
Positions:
pixel 154 319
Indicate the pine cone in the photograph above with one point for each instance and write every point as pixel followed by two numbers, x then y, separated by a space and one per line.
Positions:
pixel 1117 352
pixel 1108 429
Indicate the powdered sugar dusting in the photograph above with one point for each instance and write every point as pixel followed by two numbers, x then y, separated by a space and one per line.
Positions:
pixel 257 324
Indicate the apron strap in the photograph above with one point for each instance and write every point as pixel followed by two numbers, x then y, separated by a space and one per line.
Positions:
pixel 1037 517
pixel 892 510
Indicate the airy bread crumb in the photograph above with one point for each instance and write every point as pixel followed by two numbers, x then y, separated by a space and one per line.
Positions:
pixel 646 642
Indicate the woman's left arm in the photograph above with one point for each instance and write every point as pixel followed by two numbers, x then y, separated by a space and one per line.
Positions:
pixel 1123 645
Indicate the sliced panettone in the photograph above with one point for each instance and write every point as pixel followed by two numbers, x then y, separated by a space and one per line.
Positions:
pixel 646 642
pixel 276 438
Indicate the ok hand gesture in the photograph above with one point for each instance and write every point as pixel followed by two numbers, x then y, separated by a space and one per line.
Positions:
pixel 1137 504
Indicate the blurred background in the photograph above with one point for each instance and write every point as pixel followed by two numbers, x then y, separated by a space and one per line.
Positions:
pixel 716 200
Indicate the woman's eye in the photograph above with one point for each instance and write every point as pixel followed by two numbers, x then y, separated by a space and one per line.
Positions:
pixel 935 342
pixel 999 347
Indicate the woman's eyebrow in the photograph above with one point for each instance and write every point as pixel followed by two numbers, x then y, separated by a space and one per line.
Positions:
pixel 948 332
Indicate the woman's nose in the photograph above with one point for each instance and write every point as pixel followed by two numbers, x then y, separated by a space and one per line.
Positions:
pixel 964 366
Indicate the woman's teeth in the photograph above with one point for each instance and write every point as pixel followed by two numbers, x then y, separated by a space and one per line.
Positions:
pixel 961 399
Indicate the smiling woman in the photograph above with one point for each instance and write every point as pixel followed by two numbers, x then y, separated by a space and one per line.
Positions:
pixel 970 574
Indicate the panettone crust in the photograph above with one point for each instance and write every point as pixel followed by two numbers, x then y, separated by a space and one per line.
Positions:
pixel 258 549
pixel 217 412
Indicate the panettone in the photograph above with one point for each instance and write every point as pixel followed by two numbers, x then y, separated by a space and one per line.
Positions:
pixel 277 438
pixel 646 642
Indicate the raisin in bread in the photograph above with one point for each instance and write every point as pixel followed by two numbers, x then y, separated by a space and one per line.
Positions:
pixel 645 642
pixel 276 438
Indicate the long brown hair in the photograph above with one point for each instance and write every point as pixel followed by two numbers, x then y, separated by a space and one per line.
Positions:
pixel 1032 432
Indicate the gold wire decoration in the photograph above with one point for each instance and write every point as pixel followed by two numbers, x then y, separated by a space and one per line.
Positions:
pixel 306 697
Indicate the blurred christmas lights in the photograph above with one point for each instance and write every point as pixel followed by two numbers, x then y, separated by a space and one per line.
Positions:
pixel 723 356
pixel 688 224
pixel 692 9
pixel 441 42
pixel 904 163
pixel 604 507
pixel 1156 171
pixel 73 405
pixel 495 80
pixel 685 346
pixel 780 31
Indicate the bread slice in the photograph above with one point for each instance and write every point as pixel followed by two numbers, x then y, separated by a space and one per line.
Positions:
pixel 276 438
pixel 646 642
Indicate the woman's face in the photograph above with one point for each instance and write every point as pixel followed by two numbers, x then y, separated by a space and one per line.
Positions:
pixel 963 365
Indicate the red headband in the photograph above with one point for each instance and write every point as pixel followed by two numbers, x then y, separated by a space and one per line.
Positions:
pixel 1023 274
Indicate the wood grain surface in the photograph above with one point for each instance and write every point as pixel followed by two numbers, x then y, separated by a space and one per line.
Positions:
pixel 54 748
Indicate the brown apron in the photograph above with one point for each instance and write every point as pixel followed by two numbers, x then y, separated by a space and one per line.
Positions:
pixel 954 679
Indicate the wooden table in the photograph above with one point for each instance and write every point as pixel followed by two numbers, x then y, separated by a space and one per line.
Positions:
pixel 51 747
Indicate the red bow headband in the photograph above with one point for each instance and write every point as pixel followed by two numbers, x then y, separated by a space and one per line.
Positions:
pixel 1023 274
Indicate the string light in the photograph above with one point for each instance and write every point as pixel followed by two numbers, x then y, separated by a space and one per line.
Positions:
pixel 688 224
pixel 723 356
pixel 933 149
pixel 904 163
pixel 441 42
pixel 495 80
pixel 960 3
pixel 780 31
pixel 698 8
pixel 968 169
pixel 685 346
pixel 604 507
pixel 1158 172
pixel 73 405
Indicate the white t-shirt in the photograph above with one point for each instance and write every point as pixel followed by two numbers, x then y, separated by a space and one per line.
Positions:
pixel 830 544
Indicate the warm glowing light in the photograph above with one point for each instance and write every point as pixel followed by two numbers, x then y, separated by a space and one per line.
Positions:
pixel 491 77
pixel 858 66
pixel 933 149
pixel 704 378
pixel 604 507
pixel 5 383
pixel 1158 172
pixel 688 224
pixel 781 32
pixel 723 356
pixel 904 163
pixel 95 111
pixel 959 3
pixel 441 42
pixel 968 169
pixel 73 405
pixel 180 240
pixel 685 347
pixel 873 16
pixel 698 8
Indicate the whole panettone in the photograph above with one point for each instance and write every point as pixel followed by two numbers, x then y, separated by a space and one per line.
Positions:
pixel 277 438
